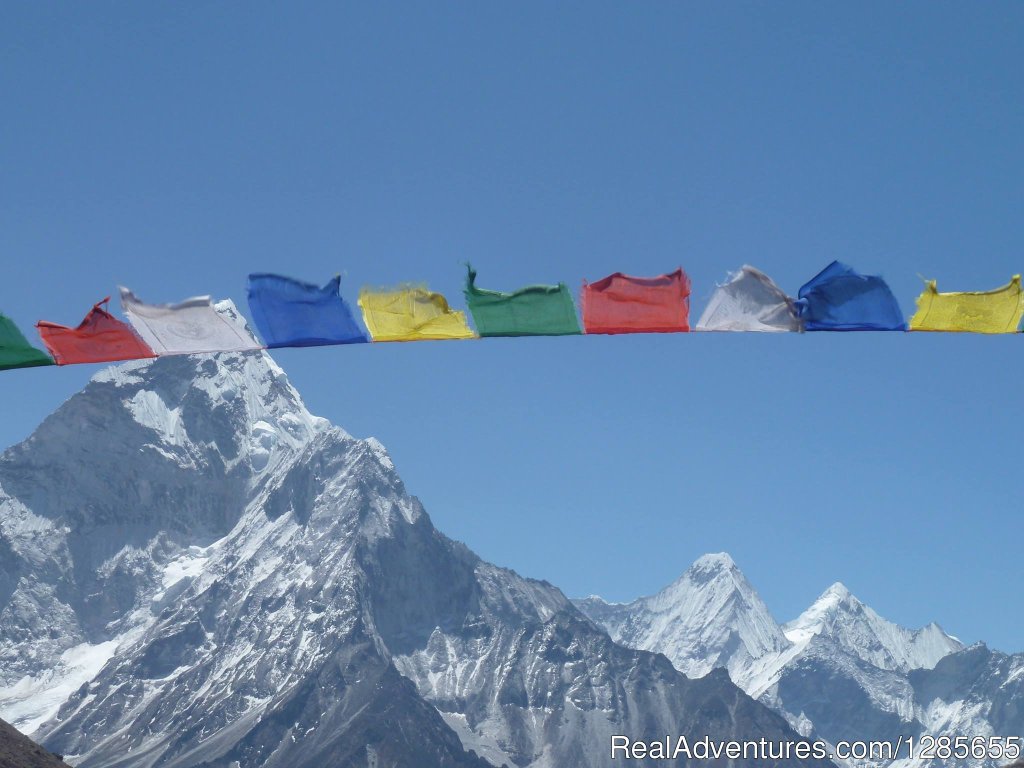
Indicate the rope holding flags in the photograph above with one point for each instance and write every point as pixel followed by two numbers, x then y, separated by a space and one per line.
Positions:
pixel 292 313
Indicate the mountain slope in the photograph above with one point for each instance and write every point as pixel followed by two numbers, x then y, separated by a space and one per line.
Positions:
pixel 104 503
pixel 200 573
pixel 19 751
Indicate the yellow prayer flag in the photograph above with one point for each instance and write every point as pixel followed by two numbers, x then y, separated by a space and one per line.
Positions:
pixel 411 313
pixel 996 311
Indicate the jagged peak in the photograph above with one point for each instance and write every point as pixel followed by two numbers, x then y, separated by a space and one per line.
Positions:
pixel 231 408
pixel 715 572
pixel 838 590
pixel 710 616
pixel 709 571
pixel 250 383
pixel 714 561
pixel 844 619
pixel 837 597
pixel 822 613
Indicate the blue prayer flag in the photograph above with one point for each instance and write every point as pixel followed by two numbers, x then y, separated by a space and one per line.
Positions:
pixel 840 299
pixel 290 313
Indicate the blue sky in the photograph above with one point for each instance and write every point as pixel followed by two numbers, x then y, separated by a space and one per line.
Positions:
pixel 174 148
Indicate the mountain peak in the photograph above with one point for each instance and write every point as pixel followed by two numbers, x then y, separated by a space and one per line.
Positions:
pixel 840 616
pixel 237 406
pixel 823 613
pixel 716 571
pixel 240 405
pixel 233 407
pixel 714 561
pixel 169 450
pixel 840 591
pixel 709 617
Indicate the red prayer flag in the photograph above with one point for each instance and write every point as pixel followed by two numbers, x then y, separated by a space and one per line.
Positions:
pixel 101 338
pixel 624 304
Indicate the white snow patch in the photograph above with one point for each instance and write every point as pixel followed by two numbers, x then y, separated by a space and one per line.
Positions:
pixel 33 700
pixel 149 410
pixel 187 566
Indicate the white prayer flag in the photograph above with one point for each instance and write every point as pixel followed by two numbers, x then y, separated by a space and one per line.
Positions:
pixel 191 326
pixel 749 301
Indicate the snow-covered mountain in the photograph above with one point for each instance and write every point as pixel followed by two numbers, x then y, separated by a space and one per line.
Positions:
pixel 837 672
pixel 195 571
pixel 710 617
pixel 840 616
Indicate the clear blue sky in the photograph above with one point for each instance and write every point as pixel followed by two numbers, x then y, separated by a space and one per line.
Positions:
pixel 175 147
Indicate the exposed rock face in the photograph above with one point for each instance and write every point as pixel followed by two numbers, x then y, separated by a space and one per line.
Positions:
pixel 19 751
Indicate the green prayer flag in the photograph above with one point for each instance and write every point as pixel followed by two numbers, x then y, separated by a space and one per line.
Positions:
pixel 15 351
pixel 537 310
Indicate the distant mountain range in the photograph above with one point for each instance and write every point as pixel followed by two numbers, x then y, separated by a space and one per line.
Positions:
pixel 839 671
pixel 196 571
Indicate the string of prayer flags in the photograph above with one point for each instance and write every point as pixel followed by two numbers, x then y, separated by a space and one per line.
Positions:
pixel 189 327
pixel 995 311
pixel 99 338
pixel 623 304
pixel 536 310
pixel 411 313
pixel 291 313
pixel 840 299
pixel 15 351
pixel 749 301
